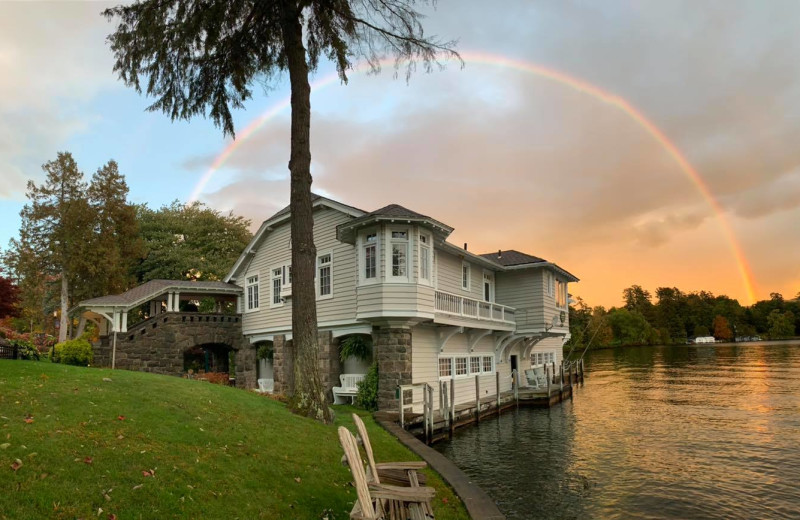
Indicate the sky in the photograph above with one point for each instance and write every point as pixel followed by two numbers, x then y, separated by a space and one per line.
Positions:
pixel 630 142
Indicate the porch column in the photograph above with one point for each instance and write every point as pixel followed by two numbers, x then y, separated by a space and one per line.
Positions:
pixel 176 301
pixel 124 322
pixel 116 324
pixel 169 302
pixel 152 308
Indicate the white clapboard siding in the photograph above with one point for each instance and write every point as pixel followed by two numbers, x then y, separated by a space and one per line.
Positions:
pixel 274 251
pixel 449 276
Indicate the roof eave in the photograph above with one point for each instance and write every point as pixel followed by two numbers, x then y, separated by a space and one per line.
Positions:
pixel 570 277
pixel 346 232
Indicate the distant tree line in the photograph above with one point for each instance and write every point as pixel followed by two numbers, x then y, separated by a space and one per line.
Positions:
pixel 80 240
pixel 676 317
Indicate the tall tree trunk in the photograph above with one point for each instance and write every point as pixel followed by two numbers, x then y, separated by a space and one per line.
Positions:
pixel 62 331
pixel 308 398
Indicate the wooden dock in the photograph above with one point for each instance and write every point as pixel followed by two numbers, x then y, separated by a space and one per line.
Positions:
pixel 435 424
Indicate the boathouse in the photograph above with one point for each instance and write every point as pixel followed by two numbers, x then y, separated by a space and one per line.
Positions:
pixel 441 319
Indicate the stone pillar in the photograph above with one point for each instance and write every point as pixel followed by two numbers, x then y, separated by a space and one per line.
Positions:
pixel 282 365
pixel 246 365
pixel 393 354
pixel 329 365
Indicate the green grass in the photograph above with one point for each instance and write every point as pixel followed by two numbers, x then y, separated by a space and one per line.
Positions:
pixel 216 452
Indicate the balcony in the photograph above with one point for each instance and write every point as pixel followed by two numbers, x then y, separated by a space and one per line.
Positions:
pixel 464 310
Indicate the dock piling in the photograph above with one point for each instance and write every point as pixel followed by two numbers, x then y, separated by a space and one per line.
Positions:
pixel 477 399
pixel 452 406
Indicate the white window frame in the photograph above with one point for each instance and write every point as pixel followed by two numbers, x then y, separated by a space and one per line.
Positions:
pixel 318 277
pixel 362 257
pixel 491 280
pixel 272 292
pixel 247 293
pixel 390 243
pixel 451 359
pixel 468 267
pixel 425 248
pixel 543 358
pixel 549 283
pixel 561 294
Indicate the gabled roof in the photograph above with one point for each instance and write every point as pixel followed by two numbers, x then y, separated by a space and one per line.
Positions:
pixel 512 257
pixel 392 212
pixel 281 216
pixel 153 288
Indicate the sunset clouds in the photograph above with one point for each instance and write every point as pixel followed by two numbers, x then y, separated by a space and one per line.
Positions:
pixel 508 158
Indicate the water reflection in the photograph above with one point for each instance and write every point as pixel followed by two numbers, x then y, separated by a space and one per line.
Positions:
pixel 663 432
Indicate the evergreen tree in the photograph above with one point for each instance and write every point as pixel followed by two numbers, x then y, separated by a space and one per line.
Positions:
pixel 201 56
pixel 116 245
pixel 54 235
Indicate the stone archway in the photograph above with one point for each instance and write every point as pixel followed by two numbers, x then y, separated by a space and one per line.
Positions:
pixel 208 357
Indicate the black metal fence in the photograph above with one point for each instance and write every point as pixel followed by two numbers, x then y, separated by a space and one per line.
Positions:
pixel 9 352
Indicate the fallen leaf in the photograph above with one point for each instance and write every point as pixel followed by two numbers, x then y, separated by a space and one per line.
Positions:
pixel 107 380
pixel 444 500
pixel 16 465
pixel 138 486
pixel 43 476
pixel 99 511
pixel 121 417
pixel 5 445
pixel 120 436
pixel 28 420
pixel 297 479
pixel 145 473
pixel 112 516
pixel 88 460
pixel 108 498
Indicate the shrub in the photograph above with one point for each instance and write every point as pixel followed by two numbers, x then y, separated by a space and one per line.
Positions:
pixel 74 352
pixel 25 350
pixel 367 396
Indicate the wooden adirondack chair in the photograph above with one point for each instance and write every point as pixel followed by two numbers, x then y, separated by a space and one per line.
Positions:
pixel 381 501
pixel 395 473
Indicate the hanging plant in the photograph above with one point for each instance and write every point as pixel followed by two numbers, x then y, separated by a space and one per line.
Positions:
pixel 358 346
pixel 265 351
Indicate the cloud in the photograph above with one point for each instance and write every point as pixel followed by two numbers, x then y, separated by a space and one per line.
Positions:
pixel 54 61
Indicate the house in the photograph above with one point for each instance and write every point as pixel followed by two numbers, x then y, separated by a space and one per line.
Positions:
pixel 434 311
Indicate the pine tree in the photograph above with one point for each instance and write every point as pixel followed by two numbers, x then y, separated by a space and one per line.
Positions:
pixel 201 56
pixel 116 244
pixel 54 237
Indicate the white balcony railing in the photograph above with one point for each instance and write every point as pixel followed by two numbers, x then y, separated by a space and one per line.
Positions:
pixel 465 307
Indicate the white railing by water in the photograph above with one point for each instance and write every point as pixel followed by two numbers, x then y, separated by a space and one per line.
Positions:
pixel 463 306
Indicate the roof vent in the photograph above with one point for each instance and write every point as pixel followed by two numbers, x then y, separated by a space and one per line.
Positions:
pixel 499 253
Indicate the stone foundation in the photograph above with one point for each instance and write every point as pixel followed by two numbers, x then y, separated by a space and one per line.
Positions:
pixel 393 354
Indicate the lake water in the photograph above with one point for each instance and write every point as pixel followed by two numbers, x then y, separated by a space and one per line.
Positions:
pixel 655 432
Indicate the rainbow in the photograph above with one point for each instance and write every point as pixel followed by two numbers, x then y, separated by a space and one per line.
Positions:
pixel 549 74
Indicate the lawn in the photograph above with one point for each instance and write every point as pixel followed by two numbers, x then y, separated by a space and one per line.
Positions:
pixel 147 446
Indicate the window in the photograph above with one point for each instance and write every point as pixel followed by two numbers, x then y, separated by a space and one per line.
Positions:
pixel 549 283
pixel 488 286
pixel 251 293
pixel 277 281
pixel 461 366
pixel 399 258
pixel 465 276
pixel 561 293
pixel 370 256
pixel 425 258
pixel 475 365
pixel 324 275
pixel 445 367
pixel 542 358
